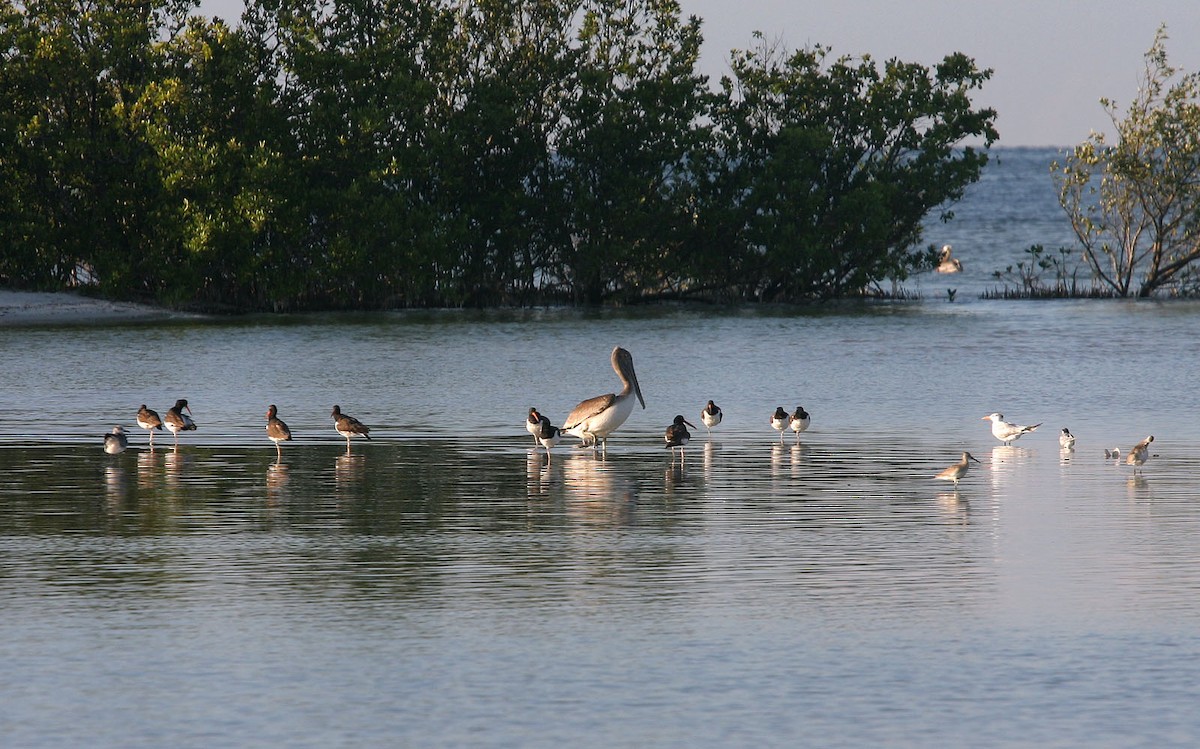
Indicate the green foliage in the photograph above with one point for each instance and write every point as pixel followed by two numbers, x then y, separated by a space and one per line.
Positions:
pixel 378 153
pixel 1135 205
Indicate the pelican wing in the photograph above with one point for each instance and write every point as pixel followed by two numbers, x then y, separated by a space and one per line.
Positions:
pixel 588 409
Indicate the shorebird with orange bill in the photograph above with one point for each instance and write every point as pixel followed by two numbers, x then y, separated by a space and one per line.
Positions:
pixel 348 426
pixel 277 430
pixel 548 436
pixel 533 425
pixel 799 421
pixel 177 421
pixel 780 421
pixel 958 470
pixel 148 419
pixel 677 435
pixel 595 419
pixel 710 417
pixel 1007 432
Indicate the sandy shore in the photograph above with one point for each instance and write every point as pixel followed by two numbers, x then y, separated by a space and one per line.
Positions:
pixel 37 308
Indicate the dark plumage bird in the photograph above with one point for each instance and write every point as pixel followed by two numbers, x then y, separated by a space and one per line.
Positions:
pixel 177 421
pixel 148 419
pixel 277 431
pixel 116 441
pixel 779 421
pixel 533 425
pixel 799 422
pixel 710 417
pixel 348 426
pixel 548 436
pixel 677 435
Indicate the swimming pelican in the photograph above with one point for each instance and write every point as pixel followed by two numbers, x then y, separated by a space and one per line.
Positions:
pixel 348 426
pixel 116 441
pixel 958 470
pixel 596 418
pixel 177 421
pixel 677 435
pixel 148 419
pixel 1006 432
pixel 277 431
pixel 799 422
pixel 533 425
pixel 946 263
pixel 548 436
pixel 779 421
pixel 1066 440
pixel 710 417
pixel 1139 453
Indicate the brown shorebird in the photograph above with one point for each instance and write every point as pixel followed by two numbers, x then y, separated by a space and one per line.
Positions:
pixel 348 426
pixel 1139 454
pixel 277 431
pixel 958 470
pixel 148 419
pixel 177 421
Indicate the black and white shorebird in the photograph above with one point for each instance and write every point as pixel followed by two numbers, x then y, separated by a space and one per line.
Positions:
pixel 147 418
pixel 595 419
pixel 348 426
pixel 958 470
pixel 1066 440
pixel 115 441
pixel 677 435
pixel 799 421
pixel 548 436
pixel 177 421
pixel 1139 454
pixel 1007 432
pixel 277 430
pixel 533 425
pixel 779 421
pixel 710 417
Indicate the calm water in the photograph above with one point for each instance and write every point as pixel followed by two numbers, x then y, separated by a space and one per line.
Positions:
pixel 443 586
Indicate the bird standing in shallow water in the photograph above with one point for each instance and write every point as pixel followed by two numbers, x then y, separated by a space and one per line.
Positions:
pixel 1006 432
pixel 779 421
pixel 177 421
pixel 116 441
pixel 596 418
pixel 1139 454
pixel 958 470
pixel 277 431
pixel 148 419
pixel 677 435
pixel 533 425
pixel 548 436
pixel 799 422
pixel 348 426
pixel 947 263
pixel 710 417
pixel 1066 440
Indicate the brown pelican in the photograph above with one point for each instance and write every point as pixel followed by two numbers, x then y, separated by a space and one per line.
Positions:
pixel 1005 431
pixel 596 418
pixel 116 441
pixel 946 263
pixel 779 421
pixel 1139 453
pixel 677 435
pixel 348 426
pixel 177 421
pixel 277 431
pixel 148 419
pixel 799 422
pixel 958 470
pixel 710 417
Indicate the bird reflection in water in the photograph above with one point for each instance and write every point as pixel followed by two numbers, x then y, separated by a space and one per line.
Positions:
pixel 277 479
pixel 596 493
pixel 348 471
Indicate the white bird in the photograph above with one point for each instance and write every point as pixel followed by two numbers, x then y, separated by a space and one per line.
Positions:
pixel 1066 440
pixel 710 417
pixel 799 421
pixel 779 421
pixel 958 470
pixel 946 263
pixel 1006 432
pixel 1113 454
pixel 116 441
pixel 596 418
pixel 1139 453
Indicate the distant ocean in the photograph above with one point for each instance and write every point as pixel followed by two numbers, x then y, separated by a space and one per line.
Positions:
pixel 1013 206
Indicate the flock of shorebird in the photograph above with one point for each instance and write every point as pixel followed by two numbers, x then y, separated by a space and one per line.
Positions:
pixel 594 419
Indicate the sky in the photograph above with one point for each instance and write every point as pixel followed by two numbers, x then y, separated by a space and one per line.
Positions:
pixel 1052 60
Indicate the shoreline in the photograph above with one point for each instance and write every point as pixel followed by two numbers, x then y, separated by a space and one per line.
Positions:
pixel 31 308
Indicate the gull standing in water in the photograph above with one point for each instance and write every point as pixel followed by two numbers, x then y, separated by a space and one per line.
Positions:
pixel 148 419
pixel 116 441
pixel 779 421
pixel 677 435
pixel 1066 440
pixel 710 417
pixel 277 431
pixel 1006 432
pixel 177 421
pixel 596 418
pixel 348 426
pixel 958 470
pixel 1139 454
pixel 533 425
pixel 799 422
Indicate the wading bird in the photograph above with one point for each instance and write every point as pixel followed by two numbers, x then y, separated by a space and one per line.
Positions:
pixel 1066 440
pixel 1006 432
pixel 799 422
pixel 779 421
pixel 116 441
pixel 677 435
pixel 148 419
pixel 1139 454
pixel 177 421
pixel 710 417
pixel 277 431
pixel 348 426
pixel 958 470
pixel 596 418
